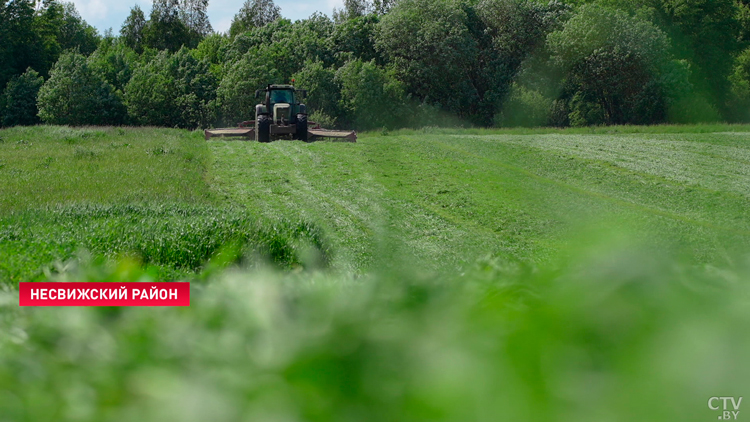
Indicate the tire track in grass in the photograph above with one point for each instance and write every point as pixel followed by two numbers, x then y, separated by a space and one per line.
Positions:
pixel 343 211
pixel 243 176
pixel 349 207
pixel 461 237
pixel 481 225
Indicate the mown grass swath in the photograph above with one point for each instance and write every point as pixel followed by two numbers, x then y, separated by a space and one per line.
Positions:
pixel 447 197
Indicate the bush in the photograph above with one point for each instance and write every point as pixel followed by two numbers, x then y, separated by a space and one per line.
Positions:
pixel 524 107
pixel 740 92
pixel 173 90
pixel 19 99
pixel 693 108
pixel 235 97
pixel 76 95
pixel 322 119
pixel 371 97
pixel 115 62
pixel 323 93
pixel 612 64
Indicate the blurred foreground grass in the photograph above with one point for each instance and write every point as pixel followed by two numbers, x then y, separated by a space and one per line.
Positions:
pixel 614 334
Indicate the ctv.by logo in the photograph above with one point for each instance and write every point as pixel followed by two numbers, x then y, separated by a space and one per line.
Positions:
pixel 723 404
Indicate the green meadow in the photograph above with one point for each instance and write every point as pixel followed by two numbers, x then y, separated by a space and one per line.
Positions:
pixel 417 275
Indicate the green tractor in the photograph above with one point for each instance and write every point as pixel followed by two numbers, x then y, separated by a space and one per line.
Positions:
pixel 281 114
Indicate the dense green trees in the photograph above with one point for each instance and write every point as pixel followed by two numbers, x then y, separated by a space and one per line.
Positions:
pixel 194 13
pixel 75 94
pixel 235 97
pixel 612 64
pixel 18 105
pixel 707 34
pixel 21 46
pixel 61 23
pixel 172 24
pixel 35 37
pixel 165 30
pixel 386 63
pixel 323 92
pixel 356 38
pixel 174 90
pixel 371 97
pixel 434 52
pixel 131 32
pixel 115 62
pixel 460 56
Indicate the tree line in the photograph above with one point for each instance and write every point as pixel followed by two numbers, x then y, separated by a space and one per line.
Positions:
pixel 384 63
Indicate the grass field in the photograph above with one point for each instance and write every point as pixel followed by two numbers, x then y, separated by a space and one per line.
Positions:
pixel 453 275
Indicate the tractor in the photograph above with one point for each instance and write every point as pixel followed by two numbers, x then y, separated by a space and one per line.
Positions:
pixel 281 115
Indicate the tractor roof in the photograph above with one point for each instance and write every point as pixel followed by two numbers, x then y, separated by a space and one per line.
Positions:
pixel 280 87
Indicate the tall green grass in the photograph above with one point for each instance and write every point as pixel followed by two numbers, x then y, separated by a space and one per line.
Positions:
pixel 68 191
pixel 57 165
pixel 174 240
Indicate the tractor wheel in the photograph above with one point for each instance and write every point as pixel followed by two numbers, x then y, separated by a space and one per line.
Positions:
pixel 302 127
pixel 263 128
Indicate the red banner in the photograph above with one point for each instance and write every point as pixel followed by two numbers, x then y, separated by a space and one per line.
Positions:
pixel 104 294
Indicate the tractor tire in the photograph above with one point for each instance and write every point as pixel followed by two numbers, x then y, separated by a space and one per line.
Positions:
pixel 263 128
pixel 302 128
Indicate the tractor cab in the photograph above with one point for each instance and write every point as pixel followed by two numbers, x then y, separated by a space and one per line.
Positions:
pixel 282 103
pixel 276 96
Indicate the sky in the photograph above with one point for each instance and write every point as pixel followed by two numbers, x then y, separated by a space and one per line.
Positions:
pixel 103 14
